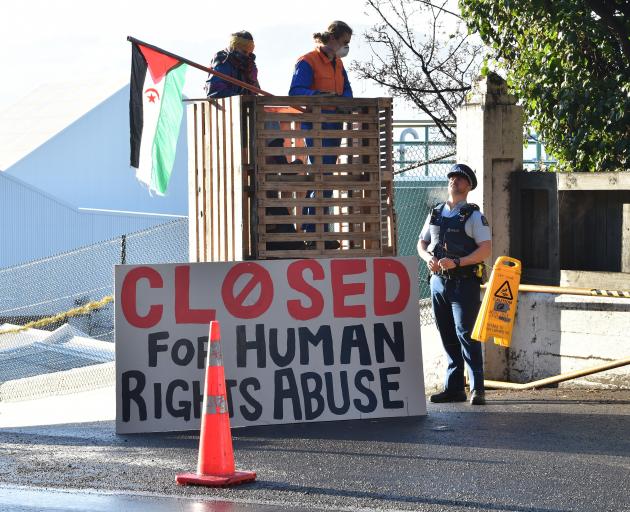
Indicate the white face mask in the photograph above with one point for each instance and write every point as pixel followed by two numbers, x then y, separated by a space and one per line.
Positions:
pixel 343 51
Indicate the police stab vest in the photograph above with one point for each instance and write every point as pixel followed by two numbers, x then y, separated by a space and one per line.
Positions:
pixel 448 236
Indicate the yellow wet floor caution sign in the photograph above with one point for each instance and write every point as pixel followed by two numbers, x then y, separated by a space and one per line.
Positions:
pixel 498 308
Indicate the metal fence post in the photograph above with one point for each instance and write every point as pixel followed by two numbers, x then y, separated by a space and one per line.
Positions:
pixel 123 249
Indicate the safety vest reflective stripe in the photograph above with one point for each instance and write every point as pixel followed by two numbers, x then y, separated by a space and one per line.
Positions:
pixel 216 356
pixel 215 404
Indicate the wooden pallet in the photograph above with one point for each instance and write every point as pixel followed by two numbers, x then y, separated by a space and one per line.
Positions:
pixel 252 168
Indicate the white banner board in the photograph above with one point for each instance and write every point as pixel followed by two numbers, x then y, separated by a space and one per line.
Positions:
pixel 303 340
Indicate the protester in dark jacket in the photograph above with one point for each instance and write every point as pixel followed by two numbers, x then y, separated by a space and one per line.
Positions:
pixel 237 61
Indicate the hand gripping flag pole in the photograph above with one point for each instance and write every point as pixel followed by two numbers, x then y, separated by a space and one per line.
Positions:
pixel 215 467
pixel 156 110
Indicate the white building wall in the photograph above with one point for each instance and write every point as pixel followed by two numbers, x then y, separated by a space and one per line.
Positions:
pixel 87 164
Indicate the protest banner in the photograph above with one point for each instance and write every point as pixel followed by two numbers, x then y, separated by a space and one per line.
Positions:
pixel 303 340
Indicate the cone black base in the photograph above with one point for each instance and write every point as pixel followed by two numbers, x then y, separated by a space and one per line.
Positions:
pixel 239 477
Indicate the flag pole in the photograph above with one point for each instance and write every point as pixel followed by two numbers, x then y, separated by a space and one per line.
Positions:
pixel 212 71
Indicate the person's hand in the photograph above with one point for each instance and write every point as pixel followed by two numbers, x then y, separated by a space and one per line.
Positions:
pixel 446 264
pixel 433 264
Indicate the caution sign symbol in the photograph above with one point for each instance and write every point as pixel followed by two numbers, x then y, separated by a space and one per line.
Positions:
pixel 504 291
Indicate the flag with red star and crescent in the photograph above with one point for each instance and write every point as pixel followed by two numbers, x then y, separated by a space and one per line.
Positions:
pixel 155 114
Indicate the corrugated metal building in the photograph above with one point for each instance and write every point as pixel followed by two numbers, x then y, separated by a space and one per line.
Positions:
pixel 34 224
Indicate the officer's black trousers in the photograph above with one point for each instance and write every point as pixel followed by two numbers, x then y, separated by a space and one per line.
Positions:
pixel 455 305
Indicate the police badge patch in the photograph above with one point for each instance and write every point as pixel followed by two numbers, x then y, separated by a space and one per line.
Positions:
pixel 484 221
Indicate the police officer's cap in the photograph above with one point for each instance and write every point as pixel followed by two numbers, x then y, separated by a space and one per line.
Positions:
pixel 464 170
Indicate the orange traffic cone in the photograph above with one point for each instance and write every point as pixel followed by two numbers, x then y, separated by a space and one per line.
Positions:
pixel 215 467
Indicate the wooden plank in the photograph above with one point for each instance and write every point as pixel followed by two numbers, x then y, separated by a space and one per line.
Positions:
pixel 200 141
pixel 319 151
pixel 207 181
pixel 358 177
pixel 327 168
pixel 372 156
pixel 323 117
pixel 237 179
pixel 316 190
pixel 214 190
pixel 386 144
pixel 246 170
pixel 314 237
pixel 314 185
pixel 387 176
pixel 299 202
pixel 249 250
pixel 318 253
pixel 255 194
pixel 306 101
pixel 305 178
pixel 535 231
pixel 229 184
pixel 315 134
pixel 574 214
pixel 222 182
pixel 594 230
pixel 331 218
pixel 193 180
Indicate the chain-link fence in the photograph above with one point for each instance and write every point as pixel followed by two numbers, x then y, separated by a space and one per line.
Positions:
pixel 74 281
pixel 422 157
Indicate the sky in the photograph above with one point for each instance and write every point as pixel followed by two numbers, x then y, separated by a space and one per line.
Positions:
pixel 85 41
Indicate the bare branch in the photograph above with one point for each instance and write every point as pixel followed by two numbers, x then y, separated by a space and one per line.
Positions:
pixel 434 71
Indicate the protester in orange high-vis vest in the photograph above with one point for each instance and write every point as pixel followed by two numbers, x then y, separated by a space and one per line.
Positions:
pixel 321 72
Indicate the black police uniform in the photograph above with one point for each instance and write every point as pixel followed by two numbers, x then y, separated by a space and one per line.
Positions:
pixel 455 297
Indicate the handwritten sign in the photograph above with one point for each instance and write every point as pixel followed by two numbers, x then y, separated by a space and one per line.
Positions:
pixel 303 340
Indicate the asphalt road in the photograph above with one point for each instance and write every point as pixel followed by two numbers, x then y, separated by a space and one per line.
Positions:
pixel 543 451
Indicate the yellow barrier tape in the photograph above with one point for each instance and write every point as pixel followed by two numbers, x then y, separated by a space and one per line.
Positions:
pixel 81 310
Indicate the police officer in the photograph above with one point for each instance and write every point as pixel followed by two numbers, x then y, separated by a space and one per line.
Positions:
pixel 454 240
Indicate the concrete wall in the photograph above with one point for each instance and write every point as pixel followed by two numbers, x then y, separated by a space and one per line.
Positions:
pixel 555 334
pixel 490 140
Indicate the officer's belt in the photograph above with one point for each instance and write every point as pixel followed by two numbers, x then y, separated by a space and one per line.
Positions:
pixel 458 273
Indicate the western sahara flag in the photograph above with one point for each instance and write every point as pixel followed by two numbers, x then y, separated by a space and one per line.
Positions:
pixel 155 114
